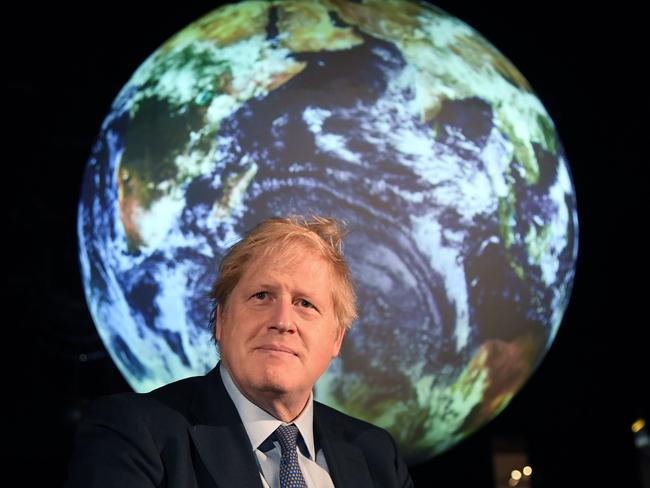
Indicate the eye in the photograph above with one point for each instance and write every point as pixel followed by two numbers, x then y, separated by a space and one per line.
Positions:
pixel 301 302
pixel 261 295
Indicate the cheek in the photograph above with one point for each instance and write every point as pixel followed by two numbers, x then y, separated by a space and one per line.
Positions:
pixel 325 346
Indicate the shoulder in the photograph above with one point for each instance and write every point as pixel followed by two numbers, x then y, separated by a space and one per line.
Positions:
pixel 329 414
pixel 131 439
pixel 354 430
pixel 157 407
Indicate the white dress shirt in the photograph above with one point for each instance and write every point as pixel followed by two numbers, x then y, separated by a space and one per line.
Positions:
pixel 259 426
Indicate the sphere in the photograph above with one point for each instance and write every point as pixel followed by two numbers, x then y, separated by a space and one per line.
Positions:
pixel 394 116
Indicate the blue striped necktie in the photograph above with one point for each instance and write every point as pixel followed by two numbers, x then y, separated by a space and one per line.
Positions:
pixel 290 474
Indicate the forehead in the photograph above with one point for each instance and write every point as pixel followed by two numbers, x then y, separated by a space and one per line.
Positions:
pixel 293 263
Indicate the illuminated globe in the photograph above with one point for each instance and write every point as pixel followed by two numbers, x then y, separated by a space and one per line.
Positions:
pixel 394 116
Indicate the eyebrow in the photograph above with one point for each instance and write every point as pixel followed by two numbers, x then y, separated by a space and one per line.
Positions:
pixel 266 286
pixel 300 292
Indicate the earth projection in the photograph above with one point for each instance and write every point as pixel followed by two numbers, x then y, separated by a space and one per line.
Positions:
pixel 394 116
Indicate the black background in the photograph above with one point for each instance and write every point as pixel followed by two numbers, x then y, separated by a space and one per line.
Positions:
pixel 67 63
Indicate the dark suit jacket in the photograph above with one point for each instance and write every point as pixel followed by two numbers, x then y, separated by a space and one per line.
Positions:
pixel 188 434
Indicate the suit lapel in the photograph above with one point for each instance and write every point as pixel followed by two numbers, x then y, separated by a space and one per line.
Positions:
pixel 227 456
pixel 346 462
pixel 223 445
pixel 220 438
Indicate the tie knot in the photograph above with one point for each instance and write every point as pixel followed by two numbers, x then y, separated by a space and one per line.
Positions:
pixel 287 435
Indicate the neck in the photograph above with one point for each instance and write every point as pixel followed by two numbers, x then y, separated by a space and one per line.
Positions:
pixel 281 408
pixel 284 406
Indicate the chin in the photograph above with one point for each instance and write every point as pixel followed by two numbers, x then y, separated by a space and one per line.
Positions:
pixel 276 380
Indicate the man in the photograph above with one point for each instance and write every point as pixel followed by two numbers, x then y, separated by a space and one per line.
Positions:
pixel 282 304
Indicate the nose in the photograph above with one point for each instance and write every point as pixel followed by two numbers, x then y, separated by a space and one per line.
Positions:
pixel 282 319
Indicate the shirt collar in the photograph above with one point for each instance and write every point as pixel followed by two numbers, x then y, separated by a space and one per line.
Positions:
pixel 260 424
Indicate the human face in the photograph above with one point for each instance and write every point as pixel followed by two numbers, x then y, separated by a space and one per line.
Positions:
pixel 277 331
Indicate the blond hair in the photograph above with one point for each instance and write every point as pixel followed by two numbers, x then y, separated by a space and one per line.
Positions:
pixel 323 234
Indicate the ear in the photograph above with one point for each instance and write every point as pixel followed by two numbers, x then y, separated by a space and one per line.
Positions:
pixel 218 322
pixel 337 342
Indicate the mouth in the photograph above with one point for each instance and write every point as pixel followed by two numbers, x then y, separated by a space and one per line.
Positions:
pixel 273 348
